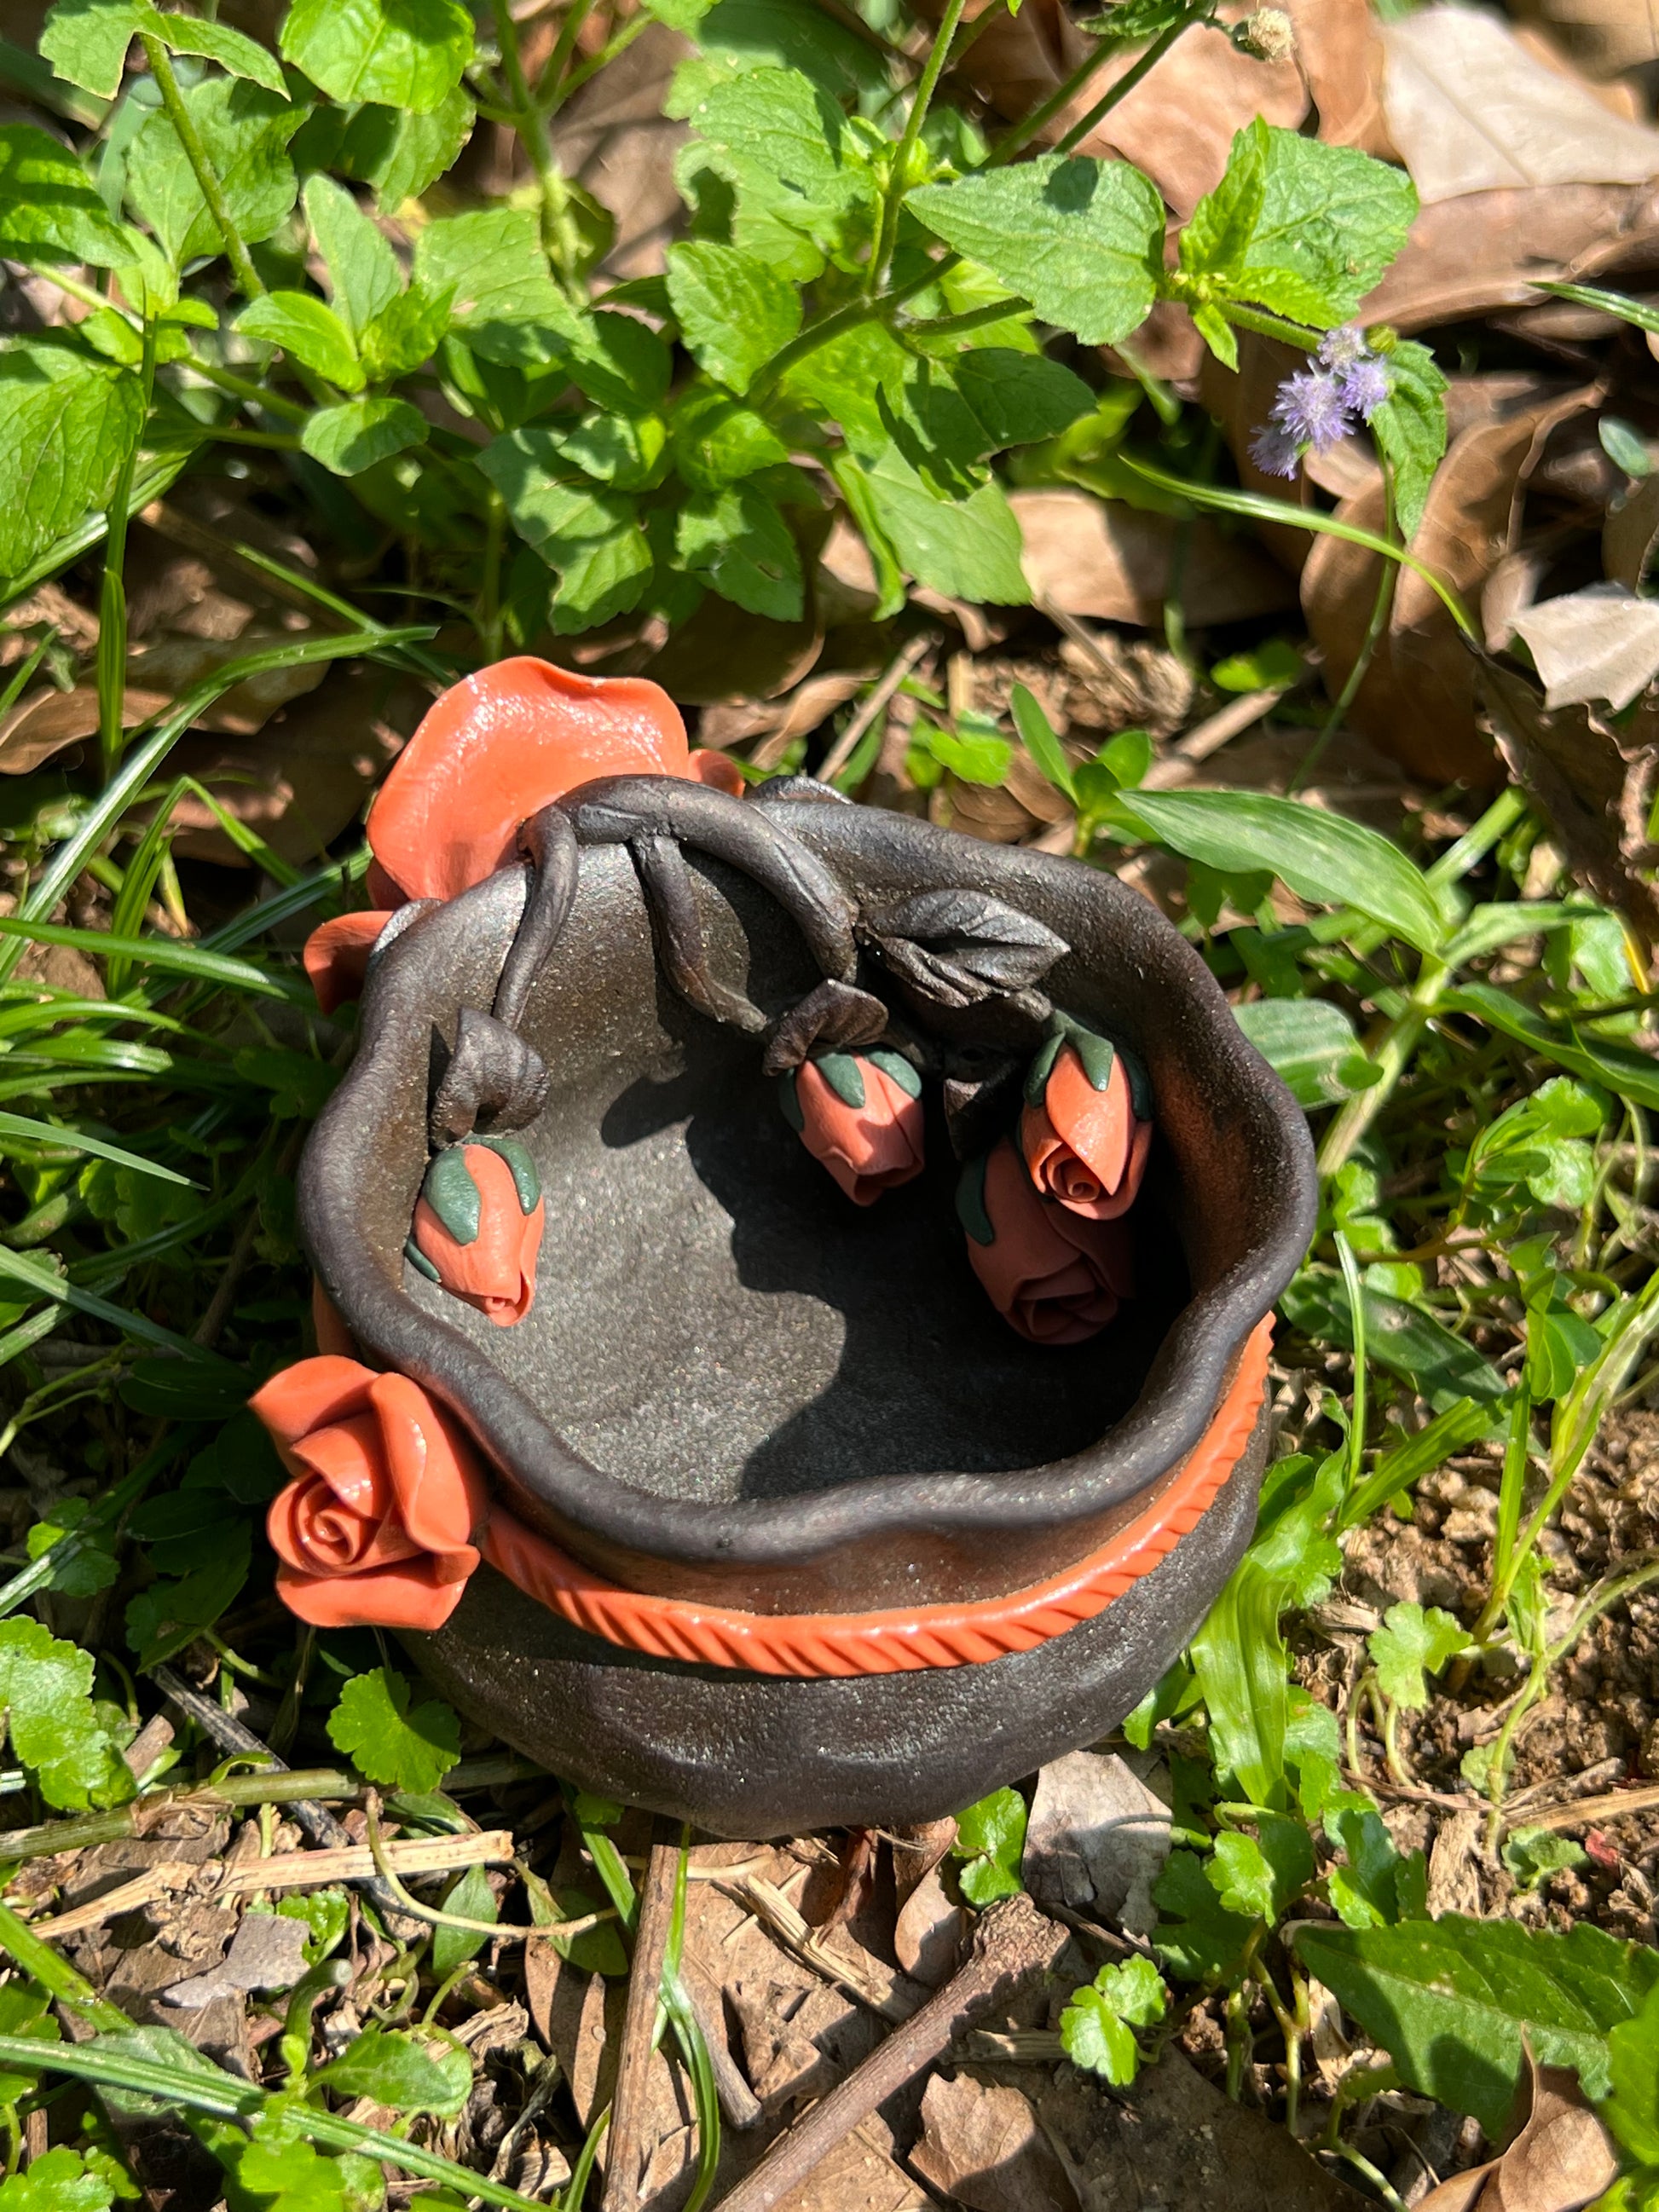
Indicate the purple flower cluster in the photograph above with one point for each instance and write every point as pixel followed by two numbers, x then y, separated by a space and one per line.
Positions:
pixel 1316 407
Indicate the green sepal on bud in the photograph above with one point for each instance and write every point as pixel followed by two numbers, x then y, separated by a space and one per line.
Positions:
pixel 970 1202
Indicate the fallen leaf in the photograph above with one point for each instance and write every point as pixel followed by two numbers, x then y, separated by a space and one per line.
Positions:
pixel 1526 123
pixel 1599 643
pixel 267 1952
pixel 928 1932
pixel 1097 1840
pixel 1604 37
pixel 614 141
pixel 1341 57
pixel 980 2145
pixel 1561 2161
pixel 1111 562
pixel 1630 533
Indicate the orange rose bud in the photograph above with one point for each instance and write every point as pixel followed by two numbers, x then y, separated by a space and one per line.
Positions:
pixel 1053 1274
pixel 1083 1141
pixel 375 1529
pixel 478 1226
pixel 860 1115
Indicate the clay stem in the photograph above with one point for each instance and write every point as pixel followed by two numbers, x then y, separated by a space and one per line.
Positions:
pixel 631 2105
pixel 1012 1944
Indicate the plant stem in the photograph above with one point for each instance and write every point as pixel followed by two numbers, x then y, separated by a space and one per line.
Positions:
pixel 898 180
pixel 552 75
pixel 607 54
pixel 1065 93
pixel 1393 1056
pixel 559 238
pixel 207 177
pixel 1268 327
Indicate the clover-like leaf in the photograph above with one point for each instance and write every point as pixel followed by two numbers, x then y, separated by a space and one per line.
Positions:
pixel 1413 1643
pixel 990 1843
pixel 399 2071
pixel 374 1726
pixel 1097 2026
pixel 960 947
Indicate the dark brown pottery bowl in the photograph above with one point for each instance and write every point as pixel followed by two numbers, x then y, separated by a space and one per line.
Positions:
pixel 736 1396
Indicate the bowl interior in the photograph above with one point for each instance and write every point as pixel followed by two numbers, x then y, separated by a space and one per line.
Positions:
pixel 715 1321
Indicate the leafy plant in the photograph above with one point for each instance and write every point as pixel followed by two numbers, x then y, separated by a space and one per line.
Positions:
pixel 1098 2026
pixel 989 1845
pixel 375 1727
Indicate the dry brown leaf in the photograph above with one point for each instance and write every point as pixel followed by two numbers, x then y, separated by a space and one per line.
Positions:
pixel 1471 111
pixel 1630 533
pixel 1561 2161
pixel 1341 58
pixel 982 2146
pixel 617 144
pixel 1603 643
pixel 1097 1840
pixel 1594 786
pixel 927 1933
pixel 1108 562
pixel 1604 37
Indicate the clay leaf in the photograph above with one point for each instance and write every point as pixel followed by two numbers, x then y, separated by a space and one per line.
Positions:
pixel 1599 643
pixel 960 946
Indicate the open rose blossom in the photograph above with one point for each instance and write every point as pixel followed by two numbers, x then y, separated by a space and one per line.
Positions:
pixel 375 1529
pixel 1054 1275
pixel 478 1226
pixel 1082 1140
pixel 491 752
pixel 860 1115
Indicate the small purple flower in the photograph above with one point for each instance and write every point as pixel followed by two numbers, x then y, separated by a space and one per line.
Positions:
pixel 1311 409
pixel 1364 386
pixel 1274 452
pixel 1342 348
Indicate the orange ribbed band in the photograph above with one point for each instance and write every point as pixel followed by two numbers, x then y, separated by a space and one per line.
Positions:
pixel 811 1645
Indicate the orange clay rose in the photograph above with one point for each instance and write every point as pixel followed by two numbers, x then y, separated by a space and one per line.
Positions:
pixel 1081 1138
pixel 375 1530
pixel 479 1227
pixel 860 1115
pixel 491 752
pixel 1051 1274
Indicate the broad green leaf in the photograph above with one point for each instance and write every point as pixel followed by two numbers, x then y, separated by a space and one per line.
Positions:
pixel 167 1616
pixel 782 145
pixel 504 300
pixel 1322 857
pixel 1300 227
pixel 716 441
pixel 246 131
pixel 1632 2110
pixel 623 451
pixel 734 310
pixel 1094 2028
pixel 276 2167
pixel 60 2180
pixel 374 1728
pixel 737 35
pixel 307 330
pixel 351 438
pixel 1240 1662
pixel 405 332
pixel 85 41
pixel 1308 1042
pixel 235 53
pixel 1410 427
pixel 858 379
pixel 81 1569
pixel 363 269
pixel 399 54
pixel 1081 240
pixel 1403 1338
pixel 967 549
pixel 621 363
pixel 1196 1936
pixel 1018 398
pixel 66 421
pixel 1624 1070
pixel 1451 1999
pixel 400 154
pixel 989 1846
pixel 1260 1876
pixel 471 1899
pixel 23 2012
pixel 49 209
pixel 1411 1644
pixel 396 2069
pixel 738 540
pixel 976 756
pixel 45 1687
pixel 1379 1885
pixel 592 538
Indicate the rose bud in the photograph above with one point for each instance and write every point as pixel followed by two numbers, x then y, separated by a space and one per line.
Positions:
pixel 478 1226
pixel 861 1114
pixel 1087 1128
pixel 1054 1275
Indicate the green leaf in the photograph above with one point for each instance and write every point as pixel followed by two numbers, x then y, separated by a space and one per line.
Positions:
pixel 1368 1892
pixel 23 2012
pixel 1261 1878
pixel 1411 1644
pixel 504 300
pixel 990 1843
pixel 1241 1663
pixel 68 420
pixel 1297 226
pixel 976 756
pixel 246 131
pixel 1197 1938
pixel 621 363
pixel 782 145
pixel 163 1619
pixel 1276 665
pixel 1403 1338
pixel 396 2069
pixel 373 1726
pixel 49 209
pixel 1018 398
pixel 401 53
pixel 1094 2028
pixel 404 333
pixel 738 36
pixel 1533 1854
pixel 363 269
pixel 351 438
pixel 592 538
pixel 59 2180
pixel 233 49
pixel 1630 1074
pixel 86 1569
pixel 46 1686
pixel 736 539
pixel 967 549
pixel 716 441
pixel 734 312
pixel 471 1899
pixel 1410 427
pixel 307 330
pixel 1450 2000
pixel 1309 1043
pixel 85 41
pixel 1081 240
pixel 1632 2110
pixel 400 154
pixel 1322 857
pixel 276 2167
